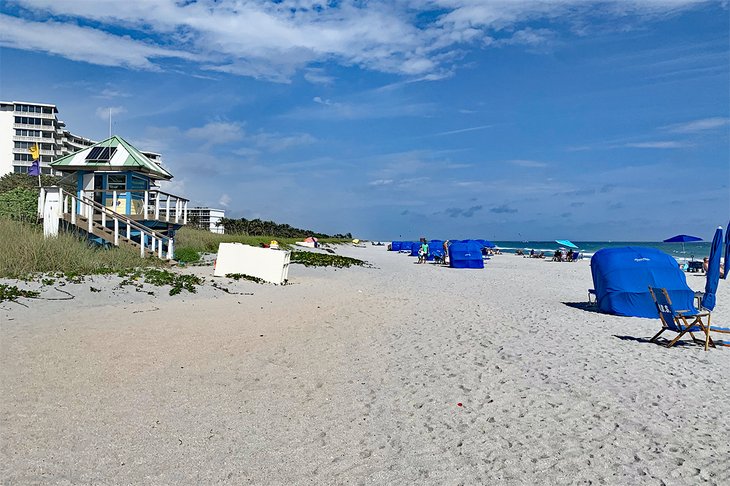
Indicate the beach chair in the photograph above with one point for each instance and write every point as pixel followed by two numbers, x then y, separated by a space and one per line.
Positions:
pixel 680 321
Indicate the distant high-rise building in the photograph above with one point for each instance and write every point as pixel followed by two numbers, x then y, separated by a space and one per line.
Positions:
pixel 206 218
pixel 23 124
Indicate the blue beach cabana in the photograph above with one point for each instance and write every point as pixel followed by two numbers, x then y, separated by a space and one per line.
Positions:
pixel 415 246
pixel 395 246
pixel 622 276
pixel 465 254
pixel 435 249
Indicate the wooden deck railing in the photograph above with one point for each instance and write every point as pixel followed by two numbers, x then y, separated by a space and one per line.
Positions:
pixel 74 208
pixel 145 203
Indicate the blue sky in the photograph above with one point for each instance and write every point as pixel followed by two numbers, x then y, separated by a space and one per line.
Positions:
pixel 445 118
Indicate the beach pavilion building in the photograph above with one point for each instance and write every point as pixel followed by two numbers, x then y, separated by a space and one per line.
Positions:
pixel 117 200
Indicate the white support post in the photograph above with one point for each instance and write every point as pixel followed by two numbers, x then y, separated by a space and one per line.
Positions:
pixel 159 250
pixel 65 203
pixel 73 210
pixel 185 213
pixel 177 210
pixel 114 201
pixel 141 244
pixel 146 202
pixel 152 244
pixel 103 217
pixel 167 208
pixel 90 215
pixel 129 230
pixel 157 206
pixel 116 231
pixel 41 201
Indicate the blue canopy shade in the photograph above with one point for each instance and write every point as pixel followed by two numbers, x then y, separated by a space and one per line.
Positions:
pixel 713 271
pixel 435 249
pixel 682 239
pixel 415 246
pixel 465 255
pixel 485 243
pixel 567 243
pixel 726 266
pixel 395 246
pixel 622 276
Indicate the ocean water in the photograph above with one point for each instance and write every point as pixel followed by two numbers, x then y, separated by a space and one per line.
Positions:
pixel 696 251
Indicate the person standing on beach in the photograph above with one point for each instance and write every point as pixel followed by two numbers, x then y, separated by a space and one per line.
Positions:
pixel 423 253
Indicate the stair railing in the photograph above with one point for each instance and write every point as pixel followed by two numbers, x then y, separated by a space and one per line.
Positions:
pixel 74 206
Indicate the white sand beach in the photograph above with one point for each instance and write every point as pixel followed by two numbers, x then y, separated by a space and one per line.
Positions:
pixel 355 376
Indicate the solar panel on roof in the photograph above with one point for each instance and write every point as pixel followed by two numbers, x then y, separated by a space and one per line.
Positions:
pixel 94 153
pixel 101 153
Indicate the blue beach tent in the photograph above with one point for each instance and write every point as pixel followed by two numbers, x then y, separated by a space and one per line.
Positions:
pixel 465 255
pixel 622 276
pixel 435 249
pixel 395 246
pixel 414 248
pixel 485 243
pixel 713 271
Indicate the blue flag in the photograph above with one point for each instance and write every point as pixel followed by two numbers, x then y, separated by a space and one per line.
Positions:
pixel 35 168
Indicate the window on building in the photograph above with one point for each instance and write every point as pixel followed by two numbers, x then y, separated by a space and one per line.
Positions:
pixel 116 182
pixel 138 183
pixel 28 120
pixel 20 169
pixel 47 110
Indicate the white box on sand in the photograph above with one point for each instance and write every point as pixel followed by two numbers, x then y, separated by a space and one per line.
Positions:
pixel 264 263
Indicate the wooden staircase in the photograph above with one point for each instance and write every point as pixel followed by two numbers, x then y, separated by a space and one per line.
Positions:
pixel 103 223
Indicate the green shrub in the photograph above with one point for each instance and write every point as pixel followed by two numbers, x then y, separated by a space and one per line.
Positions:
pixel 20 204
pixel 186 255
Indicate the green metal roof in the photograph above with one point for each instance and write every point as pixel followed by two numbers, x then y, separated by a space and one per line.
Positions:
pixel 126 157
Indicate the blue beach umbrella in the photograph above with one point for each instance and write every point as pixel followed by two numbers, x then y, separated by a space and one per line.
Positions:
pixel 567 243
pixel 713 271
pixel 727 251
pixel 682 239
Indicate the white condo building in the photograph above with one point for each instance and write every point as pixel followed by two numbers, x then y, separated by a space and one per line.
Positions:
pixel 207 218
pixel 23 124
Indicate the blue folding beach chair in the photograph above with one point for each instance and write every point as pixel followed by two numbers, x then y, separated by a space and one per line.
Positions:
pixel 680 321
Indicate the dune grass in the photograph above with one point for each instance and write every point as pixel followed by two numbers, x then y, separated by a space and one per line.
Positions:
pixel 24 251
pixel 204 241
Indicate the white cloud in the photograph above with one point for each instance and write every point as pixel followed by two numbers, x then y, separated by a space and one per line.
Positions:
pixel 273 40
pixel 381 182
pixel 698 125
pixel 464 130
pixel 662 144
pixel 319 100
pixel 82 44
pixel 109 93
pixel 104 112
pixel 528 163
pixel 225 200
pixel 217 132
pixel 318 76
pixel 275 142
